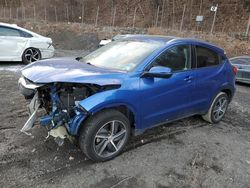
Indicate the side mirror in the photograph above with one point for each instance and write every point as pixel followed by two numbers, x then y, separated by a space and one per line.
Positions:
pixel 158 72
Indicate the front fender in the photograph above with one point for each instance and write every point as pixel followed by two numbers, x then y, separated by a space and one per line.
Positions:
pixel 99 101
pixel 106 99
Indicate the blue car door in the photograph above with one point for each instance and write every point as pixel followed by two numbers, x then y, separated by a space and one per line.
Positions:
pixel 165 99
pixel 210 75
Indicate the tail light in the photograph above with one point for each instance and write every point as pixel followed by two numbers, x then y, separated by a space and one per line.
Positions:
pixel 235 70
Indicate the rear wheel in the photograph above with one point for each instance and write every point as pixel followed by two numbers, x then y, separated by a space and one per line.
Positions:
pixel 31 55
pixel 104 135
pixel 218 108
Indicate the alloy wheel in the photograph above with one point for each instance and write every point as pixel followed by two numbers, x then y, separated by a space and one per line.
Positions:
pixel 32 55
pixel 220 108
pixel 110 138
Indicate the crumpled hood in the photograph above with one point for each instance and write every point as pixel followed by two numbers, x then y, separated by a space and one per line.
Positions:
pixel 71 71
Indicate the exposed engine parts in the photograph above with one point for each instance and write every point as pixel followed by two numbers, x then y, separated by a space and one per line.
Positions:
pixel 62 114
pixel 60 102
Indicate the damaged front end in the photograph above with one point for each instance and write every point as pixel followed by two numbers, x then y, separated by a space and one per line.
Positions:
pixel 57 105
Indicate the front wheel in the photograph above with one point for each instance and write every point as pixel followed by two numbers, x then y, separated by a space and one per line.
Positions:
pixel 218 108
pixel 31 55
pixel 104 135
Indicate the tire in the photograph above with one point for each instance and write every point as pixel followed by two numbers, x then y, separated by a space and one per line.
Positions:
pixel 31 55
pixel 98 141
pixel 217 109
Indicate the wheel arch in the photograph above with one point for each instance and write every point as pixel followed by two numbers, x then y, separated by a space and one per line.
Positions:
pixel 229 93
pixel 109 100
pixel 226 88
pixel 30 47
pixel 125 109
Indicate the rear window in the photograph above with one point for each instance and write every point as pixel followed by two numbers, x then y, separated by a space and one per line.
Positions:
pixel 206 57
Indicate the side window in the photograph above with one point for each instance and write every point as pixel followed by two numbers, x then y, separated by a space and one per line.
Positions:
pixel 177 58
pixel 5 31
pixel 206 57
pixel 26 35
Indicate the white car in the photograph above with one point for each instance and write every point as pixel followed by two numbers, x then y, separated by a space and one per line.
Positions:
pixel 19 44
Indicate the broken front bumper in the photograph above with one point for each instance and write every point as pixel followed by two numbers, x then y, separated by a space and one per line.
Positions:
pixel 33 108
pixel 57 117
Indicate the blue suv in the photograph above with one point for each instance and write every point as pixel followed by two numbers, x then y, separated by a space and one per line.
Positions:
pixel 126 87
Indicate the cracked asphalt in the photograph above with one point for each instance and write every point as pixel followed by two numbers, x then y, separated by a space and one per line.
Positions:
pixel 186 153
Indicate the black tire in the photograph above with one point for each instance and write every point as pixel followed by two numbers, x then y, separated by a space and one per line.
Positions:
pixel 31 55
pixel 212 116
pixel 89 140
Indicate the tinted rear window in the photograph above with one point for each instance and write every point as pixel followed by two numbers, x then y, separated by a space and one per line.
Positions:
pixel 206 57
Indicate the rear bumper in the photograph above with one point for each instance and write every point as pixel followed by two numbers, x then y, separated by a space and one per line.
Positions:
pixel 47 53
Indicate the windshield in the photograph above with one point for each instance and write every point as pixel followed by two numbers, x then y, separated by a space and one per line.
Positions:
pixel 121 55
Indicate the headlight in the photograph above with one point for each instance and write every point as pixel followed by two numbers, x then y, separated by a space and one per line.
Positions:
pixel 27 84
pixel 27 88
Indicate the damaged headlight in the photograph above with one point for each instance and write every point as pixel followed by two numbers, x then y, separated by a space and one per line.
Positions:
pixel 27 88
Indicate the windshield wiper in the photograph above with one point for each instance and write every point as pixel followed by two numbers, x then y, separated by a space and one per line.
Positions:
pixel 78 58
pixel 90 63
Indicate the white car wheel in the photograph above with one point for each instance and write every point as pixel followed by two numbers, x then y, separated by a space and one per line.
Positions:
pixel 31 55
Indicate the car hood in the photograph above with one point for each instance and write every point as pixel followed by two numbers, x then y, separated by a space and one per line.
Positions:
pixel 71 71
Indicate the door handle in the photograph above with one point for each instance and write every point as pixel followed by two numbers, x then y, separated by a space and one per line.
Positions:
pixel 188 78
